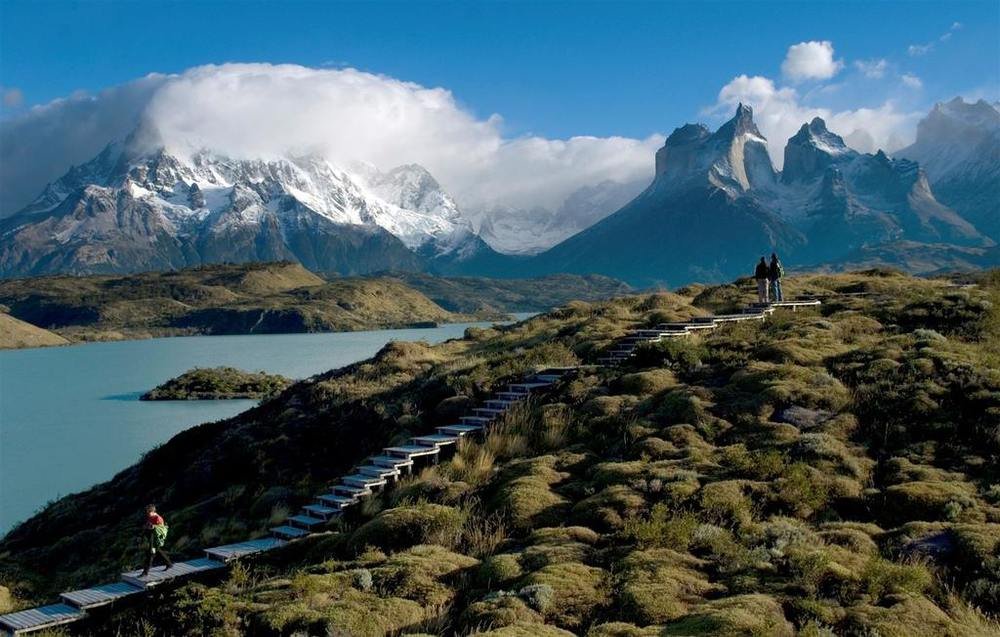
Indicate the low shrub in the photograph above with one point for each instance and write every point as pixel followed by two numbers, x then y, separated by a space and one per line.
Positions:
pixel 406 526
pixel 735 616
pixel 660 529
pixel 579 592
pixel 660 585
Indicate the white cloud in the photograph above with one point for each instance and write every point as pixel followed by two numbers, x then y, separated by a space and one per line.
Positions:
pixel 873 69
pixel 916 50
pixel 263 110
pixel 810 60
pixel 779 113
pixel 39 145
pixel 911 80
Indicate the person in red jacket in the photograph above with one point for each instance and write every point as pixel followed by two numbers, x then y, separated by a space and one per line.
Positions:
pixel 155 529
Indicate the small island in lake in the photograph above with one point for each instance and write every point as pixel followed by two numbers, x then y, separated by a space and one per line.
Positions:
pixel 218 383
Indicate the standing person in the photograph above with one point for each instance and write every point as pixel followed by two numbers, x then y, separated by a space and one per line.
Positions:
pixel 155 530
pixel 774 273
pixel 761 274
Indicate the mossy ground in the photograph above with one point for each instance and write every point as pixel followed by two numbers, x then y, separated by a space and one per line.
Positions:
pixel 825 473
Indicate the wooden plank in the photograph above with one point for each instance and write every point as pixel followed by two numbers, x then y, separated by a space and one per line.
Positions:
pixel 38 618
pixel 436 440
pixel 337 501
pixel 229 552
pixel 286 532
pixel 390 461
pixel 305 521
pixel 459 430
pixel 411 451
pixel 99 595
pixel 158 575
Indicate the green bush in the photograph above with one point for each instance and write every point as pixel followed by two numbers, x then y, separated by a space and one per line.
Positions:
pixel 406 526
pixel 579 592
pixel 499 570
pixel 737 616
pixel 660 529
pixel 660 585
pixel 881 578
pixel 802 490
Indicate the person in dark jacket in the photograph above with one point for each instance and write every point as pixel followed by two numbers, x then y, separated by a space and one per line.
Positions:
pixel 774 273
pixel 155 530
pixel 761 276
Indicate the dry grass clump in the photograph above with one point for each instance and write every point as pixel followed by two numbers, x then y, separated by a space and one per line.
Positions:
pixel 579 592
pixel 608 509
pixel 735 616
pixel 660 585
pixel 409 525
pixel 525 496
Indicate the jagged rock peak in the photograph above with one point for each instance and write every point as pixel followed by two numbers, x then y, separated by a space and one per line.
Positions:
pixel 688 133
pixel 811 150
pixel 741 124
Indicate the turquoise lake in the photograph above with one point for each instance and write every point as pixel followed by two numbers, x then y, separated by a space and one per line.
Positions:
pixel 70 417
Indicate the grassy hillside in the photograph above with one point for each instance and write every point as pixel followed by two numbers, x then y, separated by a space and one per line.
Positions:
pixel 824 473
pixel 218 299
pixel 477 294
pixel 15 334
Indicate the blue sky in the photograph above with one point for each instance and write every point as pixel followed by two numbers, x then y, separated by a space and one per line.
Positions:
pixel 552 69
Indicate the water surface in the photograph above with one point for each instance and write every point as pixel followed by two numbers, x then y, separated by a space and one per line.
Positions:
pixel 70 417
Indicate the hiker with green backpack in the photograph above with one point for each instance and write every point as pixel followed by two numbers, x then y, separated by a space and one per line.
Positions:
pixel 155 530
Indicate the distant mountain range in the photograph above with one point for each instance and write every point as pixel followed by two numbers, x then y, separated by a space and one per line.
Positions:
pixel 715 204
pixel 129 210
pixel 958 145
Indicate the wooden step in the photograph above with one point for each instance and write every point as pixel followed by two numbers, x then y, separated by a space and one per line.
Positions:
pixel 488 411
pixel 286 532
pixel 499 403
pixel 377 471
pixel 321 511
pixel 336 501
pixel 34 619
pixel 527 388
pixel 351 491
pixel 102 595
pixel 363 481
pixel 158 575
pixel 459 430
pixel 482 421
pixel 305 521
pixel 511 396
pixel 547 378
pixel 411 451
pixel 435 440
pixel 390 461
pixel 229 552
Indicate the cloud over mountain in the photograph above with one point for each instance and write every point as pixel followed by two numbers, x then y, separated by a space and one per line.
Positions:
pixel 265 110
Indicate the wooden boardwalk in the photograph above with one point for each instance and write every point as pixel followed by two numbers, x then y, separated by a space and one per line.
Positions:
pixel 374 474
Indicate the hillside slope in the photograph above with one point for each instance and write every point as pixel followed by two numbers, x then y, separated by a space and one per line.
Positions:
pixel 262 298
pixel 15 334
pixel 822 471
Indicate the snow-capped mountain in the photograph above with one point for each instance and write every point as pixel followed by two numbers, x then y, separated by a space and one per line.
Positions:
pixel 130 209
pixel 958 145
pixel 717 202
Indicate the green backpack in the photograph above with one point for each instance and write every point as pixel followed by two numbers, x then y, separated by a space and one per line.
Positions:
pixel 160 535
